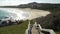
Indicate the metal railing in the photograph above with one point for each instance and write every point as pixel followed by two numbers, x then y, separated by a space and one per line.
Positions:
pixel 50 31
pixel 28 30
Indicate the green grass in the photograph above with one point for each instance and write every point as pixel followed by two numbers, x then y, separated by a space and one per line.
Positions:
pixel 14 29
pixel 57 33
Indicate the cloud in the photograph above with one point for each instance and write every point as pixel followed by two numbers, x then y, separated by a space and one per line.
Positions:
pixel 9 2
pixel 13 2
pixel 17 2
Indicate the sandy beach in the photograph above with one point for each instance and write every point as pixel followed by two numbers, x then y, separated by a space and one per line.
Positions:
pixel 26 13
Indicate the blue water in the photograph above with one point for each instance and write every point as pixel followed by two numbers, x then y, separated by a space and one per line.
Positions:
pixel 6 14
pixel 13 14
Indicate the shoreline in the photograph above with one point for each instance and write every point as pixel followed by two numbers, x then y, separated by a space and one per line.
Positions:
pixel 26 14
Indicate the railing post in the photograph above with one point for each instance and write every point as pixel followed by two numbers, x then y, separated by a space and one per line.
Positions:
pixel 28 30
pixel 35 24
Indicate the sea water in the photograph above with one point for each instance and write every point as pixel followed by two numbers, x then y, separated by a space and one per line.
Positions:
pixel 13 14
pixel 6 14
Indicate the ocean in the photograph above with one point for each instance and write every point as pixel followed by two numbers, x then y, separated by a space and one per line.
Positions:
pixel 12 14
pixel 6 15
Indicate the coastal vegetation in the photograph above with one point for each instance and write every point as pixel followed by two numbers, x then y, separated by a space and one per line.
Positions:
pixel 15 29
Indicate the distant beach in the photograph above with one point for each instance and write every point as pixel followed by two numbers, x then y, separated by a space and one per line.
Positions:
pixel 22 14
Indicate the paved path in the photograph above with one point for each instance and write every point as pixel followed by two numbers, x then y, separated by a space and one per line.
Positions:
pixel 34 30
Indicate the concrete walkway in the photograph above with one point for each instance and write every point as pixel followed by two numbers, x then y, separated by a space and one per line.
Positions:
pixel 34 30
pixel 38 30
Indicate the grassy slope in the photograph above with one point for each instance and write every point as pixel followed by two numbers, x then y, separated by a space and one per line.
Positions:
pixel 57 32
pixel 14 29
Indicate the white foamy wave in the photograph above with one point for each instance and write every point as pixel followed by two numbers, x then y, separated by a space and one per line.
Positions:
pixel 16 14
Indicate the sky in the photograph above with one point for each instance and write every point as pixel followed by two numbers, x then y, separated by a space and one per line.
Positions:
pixel 17 2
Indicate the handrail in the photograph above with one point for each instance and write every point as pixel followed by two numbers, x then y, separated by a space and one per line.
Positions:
pixel 40 29
pixel 46 30
pixel 28 30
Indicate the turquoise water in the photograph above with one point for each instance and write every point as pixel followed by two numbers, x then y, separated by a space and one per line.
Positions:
pixel 13 14
pixel 6 14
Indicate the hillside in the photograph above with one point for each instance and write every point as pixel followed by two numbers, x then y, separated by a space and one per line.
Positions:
pixel 14 29
pixel 35 5
pixel 41 6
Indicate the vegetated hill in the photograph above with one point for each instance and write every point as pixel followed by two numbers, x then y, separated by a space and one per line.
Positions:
pixel 42 6
pixel 51 21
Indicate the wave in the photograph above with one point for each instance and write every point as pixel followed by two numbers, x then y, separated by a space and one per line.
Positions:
pixel 12 14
